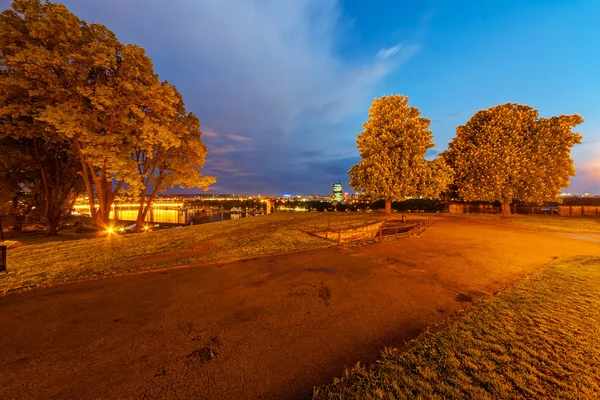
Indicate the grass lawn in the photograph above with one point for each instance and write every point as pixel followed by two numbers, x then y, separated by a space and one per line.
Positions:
pixel 539 339
pixel 66 261
pixel 546 222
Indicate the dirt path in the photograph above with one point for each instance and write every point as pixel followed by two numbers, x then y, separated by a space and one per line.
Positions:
pixel 262 328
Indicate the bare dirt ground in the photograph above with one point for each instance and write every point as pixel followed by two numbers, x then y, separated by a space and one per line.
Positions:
pixel 268 328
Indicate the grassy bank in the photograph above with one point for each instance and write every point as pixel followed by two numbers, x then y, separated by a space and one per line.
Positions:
pixel 55 262
pixel 543 222
pixel 537 340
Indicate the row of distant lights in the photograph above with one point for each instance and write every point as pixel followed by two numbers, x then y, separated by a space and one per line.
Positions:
pixel 111 230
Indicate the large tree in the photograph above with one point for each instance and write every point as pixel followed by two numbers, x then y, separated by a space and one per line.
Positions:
pixel 508 152
pixel 86 89
pixel 26 91
pixel 392 146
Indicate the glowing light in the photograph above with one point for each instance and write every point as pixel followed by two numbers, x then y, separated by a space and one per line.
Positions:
pixel 125 205
pixel 110 231
pixel 122 230
pixel 146 227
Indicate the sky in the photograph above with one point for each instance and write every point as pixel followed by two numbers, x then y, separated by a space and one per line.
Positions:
pixel 282 87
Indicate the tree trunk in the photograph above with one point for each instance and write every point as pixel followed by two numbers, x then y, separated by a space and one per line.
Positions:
pixel 51 227
pixel 1 231
pixel 388 206
pixel 51 220
pixel 505 210
pixel 50 194
pixel 141 216
pixel 146 204
pixel 18 219
pixel 89 187
pixel 105 201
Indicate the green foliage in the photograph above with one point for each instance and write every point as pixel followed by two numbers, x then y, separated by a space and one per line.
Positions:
pixel 392 147
pixel 508 152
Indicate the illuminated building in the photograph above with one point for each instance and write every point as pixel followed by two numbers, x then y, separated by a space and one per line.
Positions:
pixel 337 192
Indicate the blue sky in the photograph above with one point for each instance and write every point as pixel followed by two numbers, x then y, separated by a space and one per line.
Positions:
pixel 282 87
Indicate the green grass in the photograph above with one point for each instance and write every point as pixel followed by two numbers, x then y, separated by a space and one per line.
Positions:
pixel 539 339
pixel 544 222
pixel 66 261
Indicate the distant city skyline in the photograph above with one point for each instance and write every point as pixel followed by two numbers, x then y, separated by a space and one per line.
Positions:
pixel 282 87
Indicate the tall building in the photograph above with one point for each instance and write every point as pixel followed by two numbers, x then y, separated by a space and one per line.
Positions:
pixel 337 192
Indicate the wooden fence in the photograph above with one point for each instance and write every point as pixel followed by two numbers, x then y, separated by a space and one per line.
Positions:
pixel 579 211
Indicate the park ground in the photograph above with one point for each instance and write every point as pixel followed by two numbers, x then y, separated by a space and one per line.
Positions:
pixel 277 325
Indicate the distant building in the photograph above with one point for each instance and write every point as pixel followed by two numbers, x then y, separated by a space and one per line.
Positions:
pixel 337 192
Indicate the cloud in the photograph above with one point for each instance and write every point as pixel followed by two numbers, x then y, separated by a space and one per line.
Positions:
pixel 453 115
pixel 398 53
pixel 223 150
pixel 387 53
pixel 447 116
pixel 587 179
pixel 210 133
pixel 432 153
pixel 267 65
pixel 336 168
pixel 266 70
pixel 238 138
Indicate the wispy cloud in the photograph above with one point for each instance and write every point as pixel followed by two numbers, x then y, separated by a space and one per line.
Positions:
pixel 238 138
pixel 398 53
pixel 220 150
pixel 447 116
pixel 210 133
pixel 384 54
pixel 263 69
pixel 587 179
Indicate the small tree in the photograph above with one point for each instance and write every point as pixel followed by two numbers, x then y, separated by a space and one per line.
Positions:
pixel 175 160
pixel 508 153
pixel 392 147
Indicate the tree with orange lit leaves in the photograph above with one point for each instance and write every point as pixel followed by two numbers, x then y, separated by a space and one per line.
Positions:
pixel 508 153
pixel 392 147
pixel 43 163
pixel 177 161
pixel 72 82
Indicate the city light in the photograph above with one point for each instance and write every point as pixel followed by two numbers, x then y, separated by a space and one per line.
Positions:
pixel 337 192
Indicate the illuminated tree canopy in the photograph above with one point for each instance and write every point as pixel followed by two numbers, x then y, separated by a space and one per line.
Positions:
pixel 65 81
pixel 508 153
pixel 392 147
